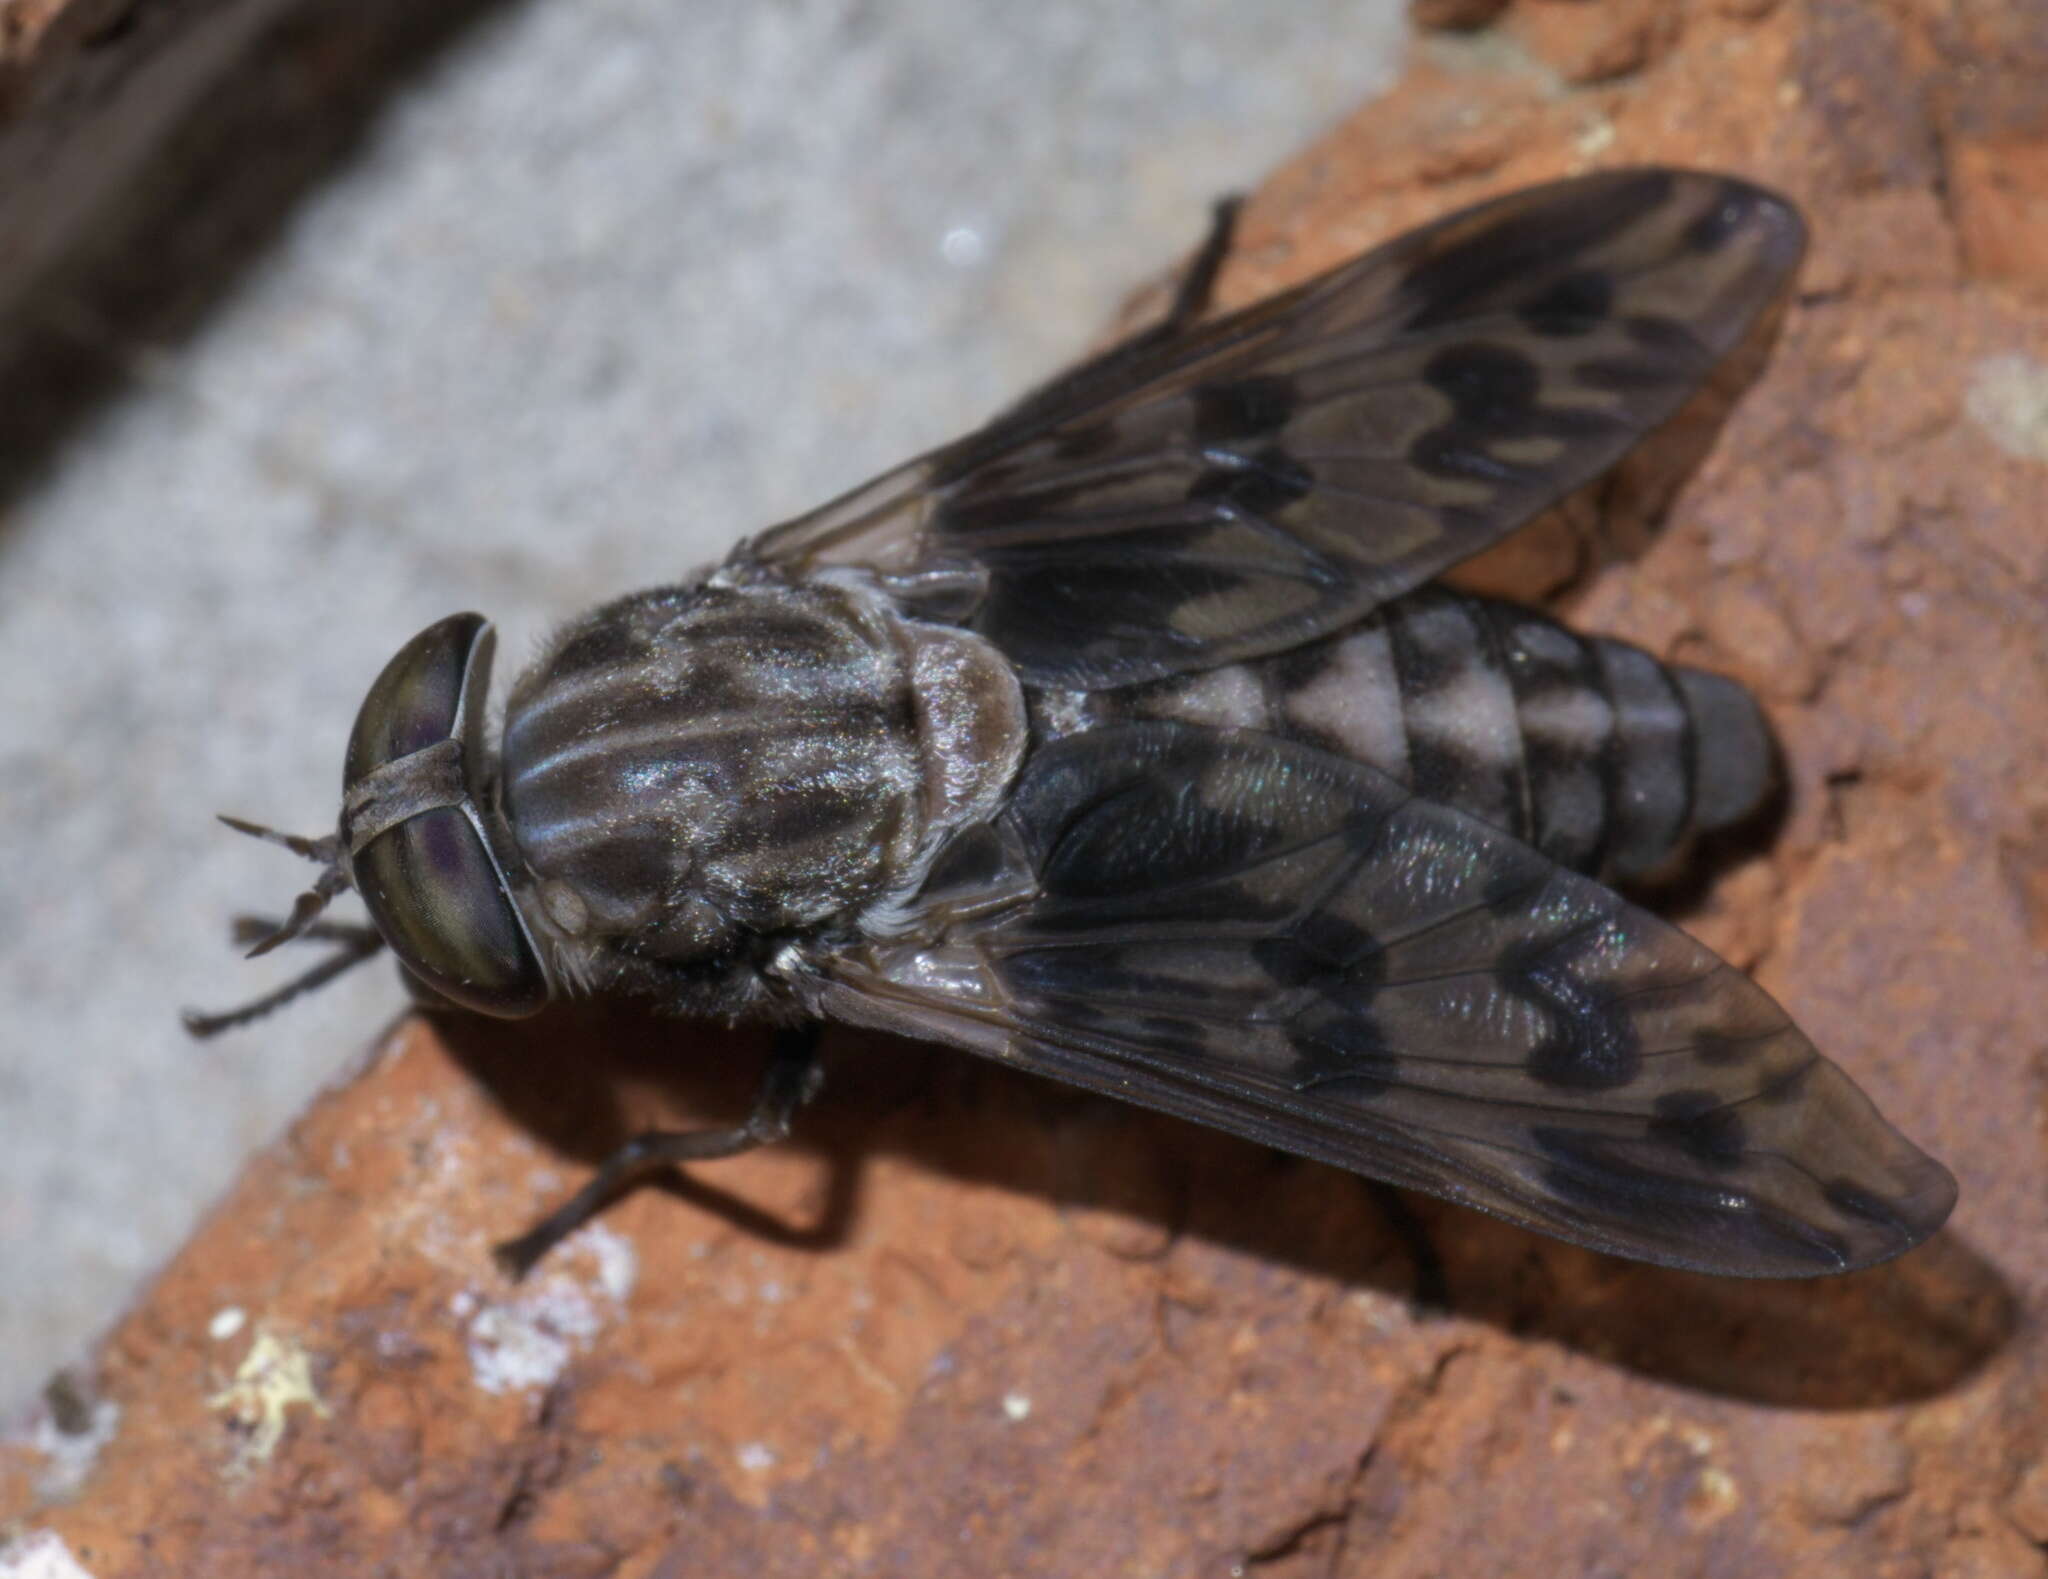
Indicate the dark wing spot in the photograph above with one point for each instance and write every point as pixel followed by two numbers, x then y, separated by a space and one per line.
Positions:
pixel 1575 304
pixel 1491 386
pixel 1340 942
pixel 1243 408
pixel 1495 393
pixel 1261 484
pixel 1701 1125
pixel 1287 962
pixel 1492 252
pixel 1323 947
pixel 1590 1047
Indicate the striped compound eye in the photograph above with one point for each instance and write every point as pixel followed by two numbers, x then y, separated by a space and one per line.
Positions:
pixel 417 842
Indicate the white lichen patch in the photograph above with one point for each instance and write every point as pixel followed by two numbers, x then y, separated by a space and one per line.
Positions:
pixel 617 1263
pixel 41 1555
pixel 1715 1495
pixel 1016 1407
pixel 227 1321
pixel 524 1343
pixel 2008 399
pixel 1593 138
pixel 1386 1314
pixel 275 1376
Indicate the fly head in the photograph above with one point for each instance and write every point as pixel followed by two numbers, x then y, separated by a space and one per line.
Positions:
pixel 419 839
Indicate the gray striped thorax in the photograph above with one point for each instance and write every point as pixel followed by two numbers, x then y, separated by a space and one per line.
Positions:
pixel 692 770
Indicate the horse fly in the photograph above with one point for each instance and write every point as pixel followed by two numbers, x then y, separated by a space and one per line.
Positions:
pixel 1125 740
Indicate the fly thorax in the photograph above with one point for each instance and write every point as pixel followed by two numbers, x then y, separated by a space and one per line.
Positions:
pixel 692 767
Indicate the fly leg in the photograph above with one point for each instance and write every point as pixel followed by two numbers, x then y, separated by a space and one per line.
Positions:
pixel 1071 390
pixel 791 1079
pixel 352 945
pixel 1198 284
pixel 1432 1292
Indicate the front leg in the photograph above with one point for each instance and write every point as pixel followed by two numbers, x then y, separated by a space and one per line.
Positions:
pixel 791 1079
pixel 352 945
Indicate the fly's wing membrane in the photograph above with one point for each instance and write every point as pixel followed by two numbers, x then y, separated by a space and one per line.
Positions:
pixel 1269 939
pixel 1272 475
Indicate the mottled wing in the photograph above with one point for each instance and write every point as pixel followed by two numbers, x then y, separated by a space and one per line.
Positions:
pixel 1269 939
pixel 1272 475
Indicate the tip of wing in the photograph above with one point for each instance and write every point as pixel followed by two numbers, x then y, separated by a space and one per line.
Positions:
pixel 1872 1191
pixel 1830 1187
pixel 1759 215
pixel 1922 1195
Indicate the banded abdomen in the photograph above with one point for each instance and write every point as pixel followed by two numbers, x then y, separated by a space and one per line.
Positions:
pixel 1604 758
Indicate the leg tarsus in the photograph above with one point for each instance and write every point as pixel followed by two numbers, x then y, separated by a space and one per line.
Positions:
pixel 1431 1295
pixel 1072 388
pixel 1198 285
pixel 791 1079
pixel 246 930
pixel 352 945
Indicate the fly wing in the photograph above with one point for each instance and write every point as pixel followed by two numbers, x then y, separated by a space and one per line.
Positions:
pixel 1274 941
pixel 1272 475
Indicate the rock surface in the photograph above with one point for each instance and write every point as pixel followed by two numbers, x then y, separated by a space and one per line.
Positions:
pixel 967 1323
pixel 394 325
pixel 87 89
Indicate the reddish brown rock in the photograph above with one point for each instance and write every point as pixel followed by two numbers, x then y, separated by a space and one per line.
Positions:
pixel 967 1323
pixel 1990 62
pixel 1592 41
pixel 2001 203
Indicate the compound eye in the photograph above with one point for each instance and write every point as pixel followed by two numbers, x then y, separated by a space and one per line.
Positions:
pixel 419 846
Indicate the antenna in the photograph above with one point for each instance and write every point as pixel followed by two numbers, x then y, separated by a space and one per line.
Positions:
pixel 354 944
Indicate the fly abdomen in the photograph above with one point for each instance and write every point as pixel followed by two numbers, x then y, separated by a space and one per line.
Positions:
pixel 1626 759
pixel 1604 758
